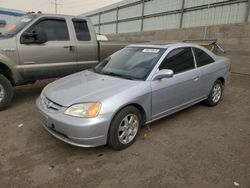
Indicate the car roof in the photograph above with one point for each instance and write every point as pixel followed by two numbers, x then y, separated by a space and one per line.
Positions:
pixel 164 45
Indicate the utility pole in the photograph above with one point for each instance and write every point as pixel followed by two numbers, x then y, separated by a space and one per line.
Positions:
pixel 56 5
pixel 182 13
pixel 247 11
pixel 205 32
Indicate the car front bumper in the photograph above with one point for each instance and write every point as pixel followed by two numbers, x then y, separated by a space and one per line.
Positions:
pixel 82 132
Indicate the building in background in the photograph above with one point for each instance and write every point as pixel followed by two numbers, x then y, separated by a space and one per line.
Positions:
pixel 147 15
pixel 9 15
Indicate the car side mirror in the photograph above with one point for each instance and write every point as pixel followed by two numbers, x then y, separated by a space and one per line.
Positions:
pixel 37 36
pixel 164 73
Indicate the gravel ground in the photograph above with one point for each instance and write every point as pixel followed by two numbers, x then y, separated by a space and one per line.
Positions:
pixel 198 147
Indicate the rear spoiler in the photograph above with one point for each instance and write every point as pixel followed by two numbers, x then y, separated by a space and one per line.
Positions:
pixel 211 44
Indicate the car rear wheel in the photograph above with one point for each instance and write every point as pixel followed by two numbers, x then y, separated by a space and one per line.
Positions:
pixel 215 94
pixel 6 92
pixel 124 128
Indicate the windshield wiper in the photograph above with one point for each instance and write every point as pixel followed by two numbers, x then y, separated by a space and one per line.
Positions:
pixel 113 74
pixel 95 70
pixel 118 75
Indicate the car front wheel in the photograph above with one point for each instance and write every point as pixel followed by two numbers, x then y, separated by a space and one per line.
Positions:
pixel 215 94
pixel 124 128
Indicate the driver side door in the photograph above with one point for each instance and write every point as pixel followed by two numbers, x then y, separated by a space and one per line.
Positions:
pixel 172 94
pixel 54 58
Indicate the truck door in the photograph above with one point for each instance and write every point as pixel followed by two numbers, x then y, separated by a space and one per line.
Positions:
pixel 86 44
pixel 54 58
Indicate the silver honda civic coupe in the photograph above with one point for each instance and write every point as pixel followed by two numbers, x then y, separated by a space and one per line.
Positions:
pixel 135 86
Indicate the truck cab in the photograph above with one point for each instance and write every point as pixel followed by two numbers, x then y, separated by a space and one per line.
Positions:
pixel 40 46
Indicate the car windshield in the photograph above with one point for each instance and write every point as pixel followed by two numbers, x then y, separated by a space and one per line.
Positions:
pixel 130 63
pixel 12 28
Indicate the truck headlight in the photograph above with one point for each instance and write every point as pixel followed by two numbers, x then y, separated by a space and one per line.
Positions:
pixel 84 110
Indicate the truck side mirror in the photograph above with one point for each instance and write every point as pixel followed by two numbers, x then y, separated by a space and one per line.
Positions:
pixel 37 36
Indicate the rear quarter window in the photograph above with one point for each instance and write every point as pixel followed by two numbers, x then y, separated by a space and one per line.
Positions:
pixel 81 30
pixel 202 57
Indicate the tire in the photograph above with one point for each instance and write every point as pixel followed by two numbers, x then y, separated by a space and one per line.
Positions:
pixel 6 92
pixel 124 128
pixel 215 94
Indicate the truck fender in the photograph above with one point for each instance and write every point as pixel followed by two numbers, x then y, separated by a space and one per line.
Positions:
pixel 6 64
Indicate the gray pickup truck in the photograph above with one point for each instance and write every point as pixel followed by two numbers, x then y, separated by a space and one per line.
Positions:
pixel 40 46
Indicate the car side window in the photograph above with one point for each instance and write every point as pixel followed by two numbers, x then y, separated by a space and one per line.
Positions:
pixel 81 30
pixel 178 60
pixel 55 29
pixel 202 57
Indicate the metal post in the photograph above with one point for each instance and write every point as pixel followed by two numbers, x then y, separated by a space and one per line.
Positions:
pixel 182 13
pixel 247 11
pixel 205 32
pixel 117 17
pixel 56 6
pixel 99 24
pixel 142 14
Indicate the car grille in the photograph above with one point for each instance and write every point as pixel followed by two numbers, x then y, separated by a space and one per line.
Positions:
pixel 51 105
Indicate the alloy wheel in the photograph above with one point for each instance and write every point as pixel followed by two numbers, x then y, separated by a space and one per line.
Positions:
pixel 217 91
pixel 128 128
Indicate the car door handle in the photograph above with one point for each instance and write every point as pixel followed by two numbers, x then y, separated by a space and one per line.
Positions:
pixel 195 78
pixel 71 48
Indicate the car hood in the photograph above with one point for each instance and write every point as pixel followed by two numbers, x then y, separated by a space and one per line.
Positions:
pixel 86 86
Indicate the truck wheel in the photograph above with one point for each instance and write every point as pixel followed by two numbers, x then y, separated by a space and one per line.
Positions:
pixel 124 128
pixel 215 94
pixel 6 92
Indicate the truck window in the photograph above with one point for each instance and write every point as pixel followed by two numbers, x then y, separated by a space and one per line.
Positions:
pixel 81 29
pixel 56 30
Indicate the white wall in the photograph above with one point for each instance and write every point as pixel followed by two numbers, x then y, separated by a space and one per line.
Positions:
pixel 110 28
pixel 234 13
pixel 162 22
pixel 131 26
pixel 214 16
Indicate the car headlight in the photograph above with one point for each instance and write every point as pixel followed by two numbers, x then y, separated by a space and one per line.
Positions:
pixel 84 110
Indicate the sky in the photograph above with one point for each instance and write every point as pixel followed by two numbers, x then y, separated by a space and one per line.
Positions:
pixel 72 7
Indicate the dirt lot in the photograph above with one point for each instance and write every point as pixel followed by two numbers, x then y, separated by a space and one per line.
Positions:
pixel 198 147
